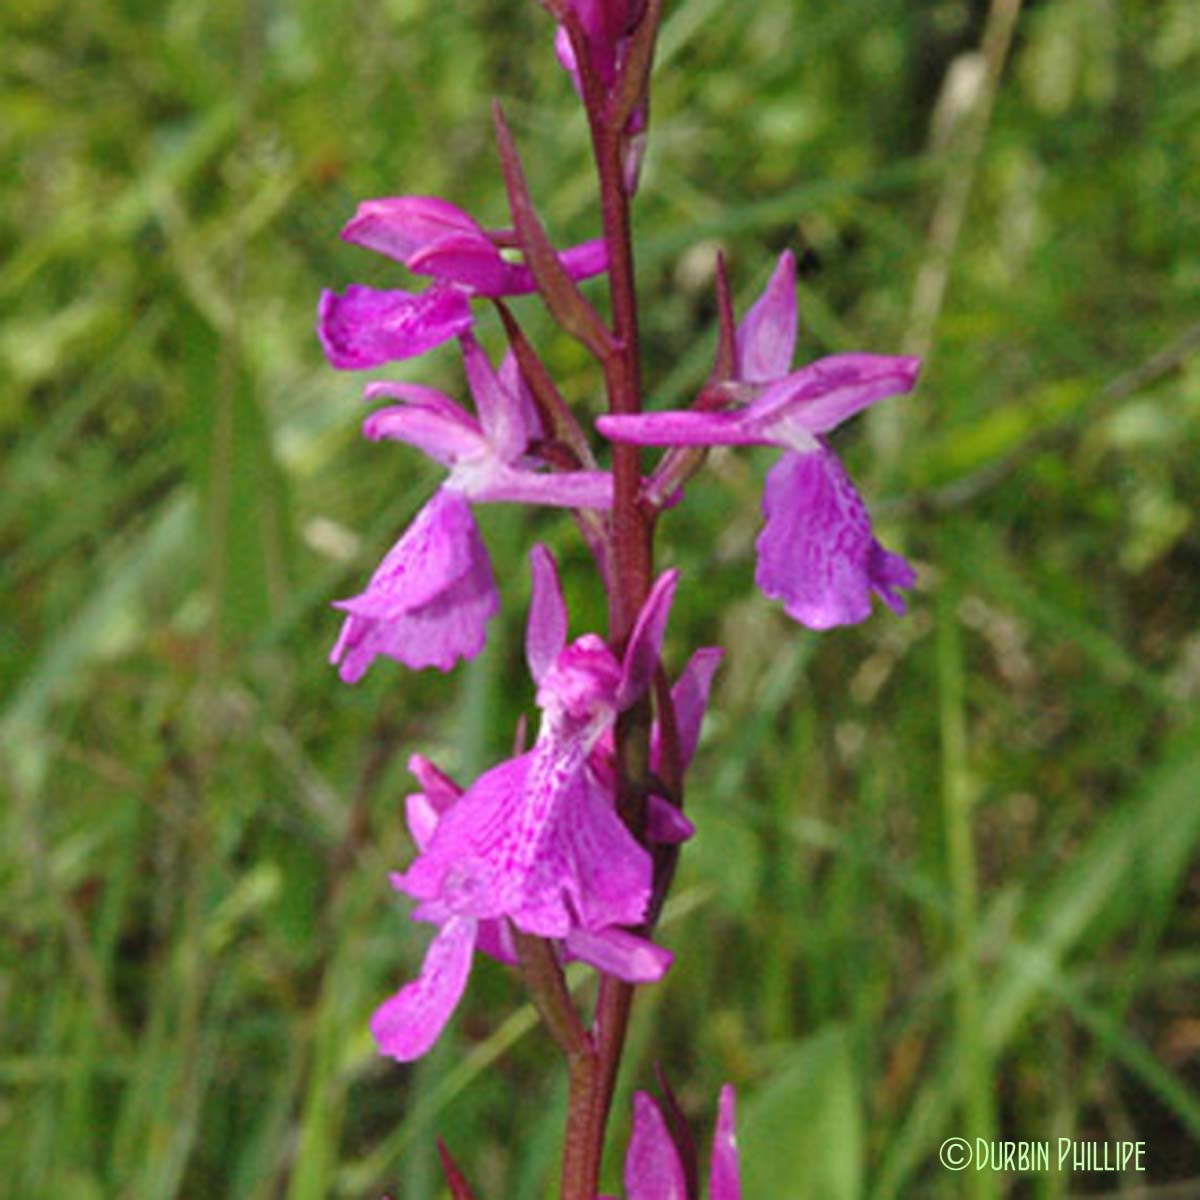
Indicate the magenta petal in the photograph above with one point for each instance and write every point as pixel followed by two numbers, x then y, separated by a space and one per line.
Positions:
pixel 451 627
pixel 444 438
pixel 766 336
pixel 652 1167
pixel 365 327
pixel 586 259
pixel 645 642
pixel 888 572
pixel 499 409
pixel 724 1181
pixel 612 874
pixel 471 260
pixel 819 397
pixel 665 824
pixel 546 884
pixel 684 429
pixel 690 697
pixel 421 816
pixel 400 226
pixel 442 791
pixel 620 953
pixel 464 863
pixel 816 552
pixel 557 489
pixel 407 1025
pixel 496 941
pixel 429 601
pixel 546 630
pixel 438 548
pixel 514 383
pixel 565 53
pixel 418 393
pixel 474 262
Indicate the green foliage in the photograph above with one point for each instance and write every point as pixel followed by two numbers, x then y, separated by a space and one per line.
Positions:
pixel 946 869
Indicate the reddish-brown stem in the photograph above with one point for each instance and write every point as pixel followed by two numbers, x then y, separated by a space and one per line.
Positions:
pixel 593 1076
pixel 622 371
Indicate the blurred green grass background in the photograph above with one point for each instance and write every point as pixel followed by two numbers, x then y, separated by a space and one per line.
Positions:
pixel 946 876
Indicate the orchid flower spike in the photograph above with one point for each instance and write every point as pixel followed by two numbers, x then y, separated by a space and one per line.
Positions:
pixel 817 552
pixel 429 602
pixel 366 327
pixel 537 840
pixel 654 1169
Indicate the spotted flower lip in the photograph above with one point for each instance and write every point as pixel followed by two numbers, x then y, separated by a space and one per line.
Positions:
pixel 365 327
pixel 654 1169
pixel 530 866
pixel 816 552
pixel 536 840
pixel 430 600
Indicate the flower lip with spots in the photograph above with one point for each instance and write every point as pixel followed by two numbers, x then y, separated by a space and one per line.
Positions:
pixel 429 601
pixel 536 840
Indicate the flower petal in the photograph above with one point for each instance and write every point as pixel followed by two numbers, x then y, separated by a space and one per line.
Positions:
pixel 645 642
pixel 400 226
pixel 546 630
pixel 442 791
pixel 665 824
pixel 514 383
pixel 407 1025
pixel 423 810
pixel 683 429
pixel 652 1167
pixel 690 697
pixel 766 336
pixel 446 439
pixel 620 953
pixel 429 601
pixel 558 489
pixel 611 874
pixel 724 1181
pixel 440 547
pixel 421 816
pixel 499 409
pixel 586 259
pixel 816 552
pixel 417 393
pixel 819 397
pixel 471 260
pixel 888 572
pixel 539 875
pixel 496 941
pixel 448 629
pixel 463 864
pixel 365 327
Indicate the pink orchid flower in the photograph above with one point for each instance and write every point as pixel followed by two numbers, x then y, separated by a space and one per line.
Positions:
pixel 366 327
pixel 816 552
pixel 429 601
pixel 537 840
